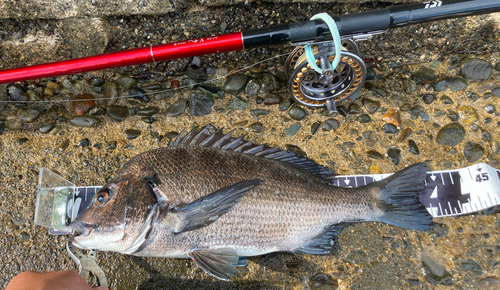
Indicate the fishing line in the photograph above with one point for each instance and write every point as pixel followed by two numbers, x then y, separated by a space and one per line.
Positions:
pixel 156 92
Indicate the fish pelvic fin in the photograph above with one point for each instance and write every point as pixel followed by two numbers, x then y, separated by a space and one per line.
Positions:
pixel 220 263
pixel 398 198
pixel 206 210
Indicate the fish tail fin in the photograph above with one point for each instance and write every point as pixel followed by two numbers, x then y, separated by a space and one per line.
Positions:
pixel 398 199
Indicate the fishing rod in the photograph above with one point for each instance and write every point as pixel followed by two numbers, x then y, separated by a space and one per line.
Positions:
pixel 308 84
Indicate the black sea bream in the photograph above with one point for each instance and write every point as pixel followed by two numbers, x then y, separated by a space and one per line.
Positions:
pixel 214 198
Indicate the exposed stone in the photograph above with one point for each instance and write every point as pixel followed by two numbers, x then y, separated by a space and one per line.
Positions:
pixel 474 69
pixel 450 135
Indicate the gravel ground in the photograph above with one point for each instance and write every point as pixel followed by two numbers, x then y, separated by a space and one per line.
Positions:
pixel 430 75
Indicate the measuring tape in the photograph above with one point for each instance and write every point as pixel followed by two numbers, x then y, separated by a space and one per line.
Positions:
pixel 447 192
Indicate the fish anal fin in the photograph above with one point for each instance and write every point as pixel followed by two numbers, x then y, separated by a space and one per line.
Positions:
pixel 322 243
pixel 220 263
pixel 208 209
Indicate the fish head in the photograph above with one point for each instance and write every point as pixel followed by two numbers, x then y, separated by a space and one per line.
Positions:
pixel 116 215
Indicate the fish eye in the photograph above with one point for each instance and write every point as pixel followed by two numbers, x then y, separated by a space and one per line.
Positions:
pixel 102 197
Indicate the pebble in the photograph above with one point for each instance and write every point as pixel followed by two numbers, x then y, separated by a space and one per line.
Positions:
pixel 414 282
pixel 425 75
pixel 111 145
pixel 110 91
pixel 125 82
pixel 450 135
pixel 394 155
pixel 370 105
pixel 404 134
pixel 412 147
pixel 84 143
pixel 27 115
pixel 271 99
pixel 132 134
pixel 18 220
pixel 67 85
pixel 118 113
pixel 354 109
pixel 297 113
pixel 259 100
pixel 295 149
pixel 197 75
pixel 435 272
pixel 97 82
pixel 139 94
pixel 474 69
pixel 21 141
pixel 84 121
pixel 47 128
pixel 375 169
pixel 269 83
pixel 428 98
pixel 322 281
pixel 415 111
pixel 83 103
pixel 409 85
pixel 496 92
pixel 453 116
pixel 259 112
pixel 238 104
pixel 472 96
pixel 64 145
pixel 256 127
pixel 446 100
pixel 177 108
pixel 473 266
pixel 53 86
pixel 473 152
pixel 490 109
pixel 252 88
pixel 148 120
pixel 364 118
pixel 330 124
pixel 389 128
pixel 485 135
pixel 357 257
pixel 33 96
pixel 285 105
pixel 468 114
pixel 314 127
pixel 175 84
pixel 200 104
pixel 213 91
pixel 489 283
pixel 48 92
pixel 25 236
pixel 455 84
pixel 392 116
pixel 16 93
pixel 374 154
pixel 3 97
pixel 291 131
pixel 235 84
pixel 148 111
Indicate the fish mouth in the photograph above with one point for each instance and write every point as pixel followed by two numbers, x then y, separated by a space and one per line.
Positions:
pixel 81 228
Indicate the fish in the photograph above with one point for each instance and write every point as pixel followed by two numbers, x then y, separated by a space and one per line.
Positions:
pixel 217 199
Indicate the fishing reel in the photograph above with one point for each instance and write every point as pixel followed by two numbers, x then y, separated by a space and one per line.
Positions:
pixel 332 85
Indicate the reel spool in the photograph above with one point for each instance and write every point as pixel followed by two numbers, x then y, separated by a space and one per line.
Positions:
pixel 314 89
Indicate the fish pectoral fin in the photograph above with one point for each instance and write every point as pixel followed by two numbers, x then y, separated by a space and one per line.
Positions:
pixel 208 209
pixel 322 243
pixel 220 263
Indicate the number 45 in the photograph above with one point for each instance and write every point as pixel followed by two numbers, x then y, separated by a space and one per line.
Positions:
pixel 482 177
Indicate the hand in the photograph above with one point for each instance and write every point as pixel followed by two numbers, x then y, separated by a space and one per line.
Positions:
pixel 60 280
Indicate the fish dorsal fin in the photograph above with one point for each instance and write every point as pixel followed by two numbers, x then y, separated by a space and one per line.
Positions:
pixel 218 139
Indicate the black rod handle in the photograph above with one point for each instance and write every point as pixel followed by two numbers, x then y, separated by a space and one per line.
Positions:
pixel 371 21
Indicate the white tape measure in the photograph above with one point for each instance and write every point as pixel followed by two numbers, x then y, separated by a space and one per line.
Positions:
pixel 448 192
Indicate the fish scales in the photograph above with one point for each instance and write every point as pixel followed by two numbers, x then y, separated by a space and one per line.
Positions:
pixel 216 204
pixel 262 219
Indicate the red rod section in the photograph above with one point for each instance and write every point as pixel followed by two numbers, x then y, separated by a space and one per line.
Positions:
pixel 194 47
